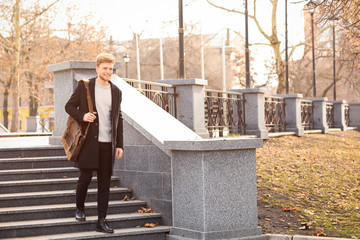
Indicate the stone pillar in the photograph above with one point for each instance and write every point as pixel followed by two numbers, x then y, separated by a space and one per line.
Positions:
pixel 320 114
pixel 254 111
pixel 190 106
pixel 214 189
pixel 339 114
pixel 65 76
pixel 293 113
pixel 32 123
pixel 354 112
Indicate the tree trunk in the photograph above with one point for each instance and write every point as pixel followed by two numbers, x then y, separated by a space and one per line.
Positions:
pixel 5 109
pixel 16 81
pixel 34 102
pixel 275 43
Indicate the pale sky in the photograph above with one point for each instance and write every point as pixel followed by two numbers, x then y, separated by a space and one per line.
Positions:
pixel 152 17
pixel 121 17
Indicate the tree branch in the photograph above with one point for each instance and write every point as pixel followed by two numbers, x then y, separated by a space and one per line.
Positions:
pixel 258 24
pixel 223 8
pixel 7 43
pixel 39 14
pixel 261 44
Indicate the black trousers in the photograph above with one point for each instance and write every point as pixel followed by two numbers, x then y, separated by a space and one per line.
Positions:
pixel 103 176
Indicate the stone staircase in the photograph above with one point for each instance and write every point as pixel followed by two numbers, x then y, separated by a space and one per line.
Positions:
pixel 37 201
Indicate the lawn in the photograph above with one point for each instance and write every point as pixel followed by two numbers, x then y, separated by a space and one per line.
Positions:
pixel 310 185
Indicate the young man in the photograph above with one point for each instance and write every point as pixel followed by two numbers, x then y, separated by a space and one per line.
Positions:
pixel 104 141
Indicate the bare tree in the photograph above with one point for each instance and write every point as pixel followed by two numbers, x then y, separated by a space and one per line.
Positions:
pixel 11 42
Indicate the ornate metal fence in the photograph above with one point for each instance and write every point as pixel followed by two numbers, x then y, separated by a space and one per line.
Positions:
pixel 275 118
pixel 307 114
pixel 162 94
pixel 347 115
pixel 224 113
pixel 330 114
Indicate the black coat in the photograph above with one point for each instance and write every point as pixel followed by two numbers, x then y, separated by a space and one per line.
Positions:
pixel 77 107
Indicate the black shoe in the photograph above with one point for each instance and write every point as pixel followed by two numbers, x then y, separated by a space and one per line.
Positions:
pixel 80 214
pixel 102 226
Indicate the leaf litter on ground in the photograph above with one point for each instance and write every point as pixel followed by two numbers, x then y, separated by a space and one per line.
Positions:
pixel 319 176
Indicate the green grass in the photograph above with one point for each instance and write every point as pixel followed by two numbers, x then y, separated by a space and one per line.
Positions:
pixel 319 174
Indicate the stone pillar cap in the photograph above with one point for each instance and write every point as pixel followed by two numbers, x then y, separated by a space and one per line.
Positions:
pixel 297 95
pixel 190 81
pixel 317 99
pixel 248 90
pixel 75 65
pixel 338 102
pixel 215 144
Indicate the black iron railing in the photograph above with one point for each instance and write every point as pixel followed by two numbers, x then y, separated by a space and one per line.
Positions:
pixel 275 117
pixel 224 113
pixel 347 115
pixel 307 114
pixel 163 95
pixel 330 114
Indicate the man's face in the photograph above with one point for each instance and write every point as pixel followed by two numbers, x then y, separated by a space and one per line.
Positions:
pixel 104 71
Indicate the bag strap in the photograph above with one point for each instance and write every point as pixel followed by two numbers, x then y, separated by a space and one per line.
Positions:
pixel 90 103
pixel 88 96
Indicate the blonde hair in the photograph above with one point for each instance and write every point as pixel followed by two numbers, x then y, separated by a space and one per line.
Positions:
pixel 104 58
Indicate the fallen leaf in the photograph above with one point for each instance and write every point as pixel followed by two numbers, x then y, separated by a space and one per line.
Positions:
pixel 150 225
pixel 286 209
pixel 145 210
pixel 320 233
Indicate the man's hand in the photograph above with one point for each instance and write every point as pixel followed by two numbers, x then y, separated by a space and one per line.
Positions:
pixel 89 117
pixel 118 154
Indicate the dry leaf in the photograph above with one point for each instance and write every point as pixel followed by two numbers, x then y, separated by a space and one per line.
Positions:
pixel 150 225
pixel 145 210
pixel 320 233
pixel 126 198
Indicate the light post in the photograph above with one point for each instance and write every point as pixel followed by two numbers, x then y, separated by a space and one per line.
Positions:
pixel 181 42
pixel 126 58
pixel 286 52
pixel 247 51
pixel 311 7
pixel 334 18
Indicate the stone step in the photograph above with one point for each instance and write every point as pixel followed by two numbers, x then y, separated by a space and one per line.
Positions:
pixel 34 162
pixel 68 225
pixel 26 213
pixel 156 233
pixel 55 197
pixel 39 185
pixel 40 151
pixel 38 173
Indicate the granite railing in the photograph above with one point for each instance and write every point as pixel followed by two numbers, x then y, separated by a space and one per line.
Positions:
pixel 246 111
pixel 224 113
pixel 216 114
